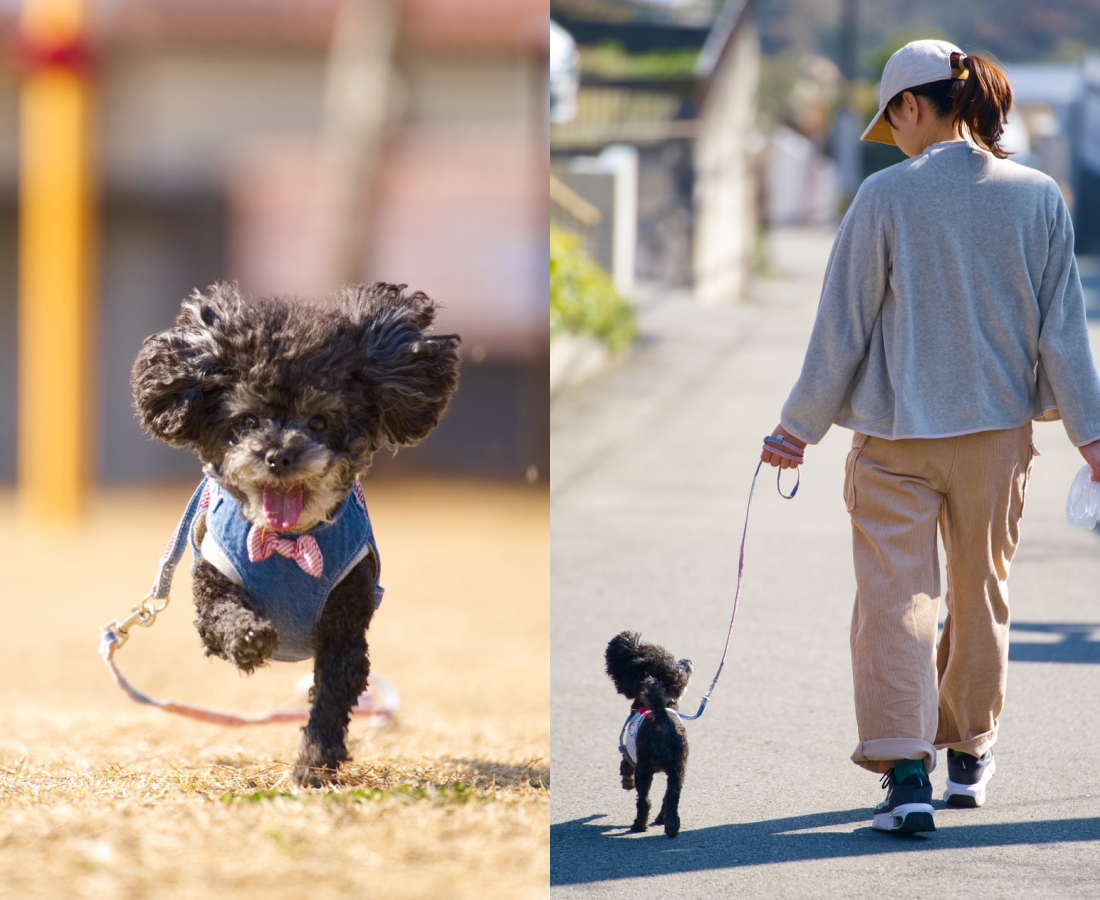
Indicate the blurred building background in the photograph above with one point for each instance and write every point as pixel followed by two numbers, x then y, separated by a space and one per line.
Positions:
pixel 296 144
pixel 664 114
pixel 723 119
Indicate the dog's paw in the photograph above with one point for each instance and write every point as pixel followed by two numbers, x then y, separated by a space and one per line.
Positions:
pixel 639 826
pixel 628 782
pixel 660 820
pixel 317 764
pixel 672 826
pixel 253 646
pixel 314 776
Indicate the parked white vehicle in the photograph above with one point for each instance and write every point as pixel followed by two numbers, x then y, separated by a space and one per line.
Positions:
pixel 564 75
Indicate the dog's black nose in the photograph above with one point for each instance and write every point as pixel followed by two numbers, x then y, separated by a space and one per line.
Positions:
pixel 279 460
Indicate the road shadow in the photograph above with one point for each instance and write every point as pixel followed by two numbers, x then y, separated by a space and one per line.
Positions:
pixel 1076 642
pixel 590 849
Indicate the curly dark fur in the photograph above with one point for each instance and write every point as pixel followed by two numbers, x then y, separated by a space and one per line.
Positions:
pixel 228 623
pixel 291 396
pixel 340 669
pixel 652 678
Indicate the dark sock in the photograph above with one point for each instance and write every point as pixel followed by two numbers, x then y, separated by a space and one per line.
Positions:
pixel 903 768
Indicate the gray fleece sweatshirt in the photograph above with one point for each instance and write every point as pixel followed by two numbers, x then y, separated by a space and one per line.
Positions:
pixel 951 305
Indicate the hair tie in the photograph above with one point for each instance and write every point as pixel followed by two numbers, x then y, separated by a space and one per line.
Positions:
pixel 957 60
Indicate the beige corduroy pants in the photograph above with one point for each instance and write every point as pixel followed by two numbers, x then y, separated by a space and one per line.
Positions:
pixel 910 697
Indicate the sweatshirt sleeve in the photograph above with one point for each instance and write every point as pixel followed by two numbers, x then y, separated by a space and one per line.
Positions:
pixel 851 299
pixel 1065 358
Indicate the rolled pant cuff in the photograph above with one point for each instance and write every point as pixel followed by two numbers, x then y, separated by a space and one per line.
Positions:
pixel 975 746
pixel 879 755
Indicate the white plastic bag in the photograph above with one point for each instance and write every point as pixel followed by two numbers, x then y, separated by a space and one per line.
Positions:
pixel 1083 504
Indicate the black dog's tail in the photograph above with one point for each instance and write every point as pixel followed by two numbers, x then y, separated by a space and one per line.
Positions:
pixel 655 698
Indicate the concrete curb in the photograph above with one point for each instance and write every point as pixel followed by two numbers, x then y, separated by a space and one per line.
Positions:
pixel 574 358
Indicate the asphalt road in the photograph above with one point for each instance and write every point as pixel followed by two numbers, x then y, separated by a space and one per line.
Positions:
pixel 651 467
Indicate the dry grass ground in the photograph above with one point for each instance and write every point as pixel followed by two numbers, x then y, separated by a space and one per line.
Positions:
pixel 102 798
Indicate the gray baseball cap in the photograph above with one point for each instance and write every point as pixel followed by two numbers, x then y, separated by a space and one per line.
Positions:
pixel 917 63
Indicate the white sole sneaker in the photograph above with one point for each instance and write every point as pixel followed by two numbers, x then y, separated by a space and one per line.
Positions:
pixel 969 796
pixel 906 818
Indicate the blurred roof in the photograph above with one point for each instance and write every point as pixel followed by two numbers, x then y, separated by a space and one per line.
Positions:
pixel 683 12
pixel 458 25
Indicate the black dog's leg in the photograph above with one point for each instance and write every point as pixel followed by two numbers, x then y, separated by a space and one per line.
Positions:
pixel 340 670
pixel 643 775
pixel 670 806
pixel 228 623
pixel 626 770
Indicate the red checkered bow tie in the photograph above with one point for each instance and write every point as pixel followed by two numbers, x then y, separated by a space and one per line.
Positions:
pixel 262 543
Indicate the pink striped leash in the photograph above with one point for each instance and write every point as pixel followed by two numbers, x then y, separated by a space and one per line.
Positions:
pixel 780 449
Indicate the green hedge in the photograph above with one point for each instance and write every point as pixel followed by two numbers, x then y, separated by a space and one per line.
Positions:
pixel 583 299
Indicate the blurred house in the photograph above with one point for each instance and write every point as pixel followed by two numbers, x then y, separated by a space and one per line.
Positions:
pixel 1042 125
pixel 687 117
pixel 1055 127
pixel 802 182
pixel 216 122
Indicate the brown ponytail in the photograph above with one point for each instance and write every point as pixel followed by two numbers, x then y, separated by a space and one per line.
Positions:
pixel 977 96
pixel 982 101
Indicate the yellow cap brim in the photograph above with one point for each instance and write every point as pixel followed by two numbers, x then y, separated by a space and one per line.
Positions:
pixel 879 130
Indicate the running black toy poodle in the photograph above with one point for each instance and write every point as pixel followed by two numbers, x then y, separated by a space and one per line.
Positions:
pixel 285 402
pixel 653 738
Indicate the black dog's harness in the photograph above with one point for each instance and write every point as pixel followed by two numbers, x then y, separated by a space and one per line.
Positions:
pixel 628 737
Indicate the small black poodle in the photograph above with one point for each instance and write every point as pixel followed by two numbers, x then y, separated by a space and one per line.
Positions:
pixel 653 738
pixel 285 403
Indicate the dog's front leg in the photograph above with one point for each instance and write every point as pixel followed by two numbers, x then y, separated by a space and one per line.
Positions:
pixel 626 770
pixel 340 670
pixel 643 777
pixel 228 623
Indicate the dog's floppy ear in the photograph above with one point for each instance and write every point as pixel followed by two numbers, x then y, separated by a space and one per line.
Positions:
pixel 180 373
pixel 411 373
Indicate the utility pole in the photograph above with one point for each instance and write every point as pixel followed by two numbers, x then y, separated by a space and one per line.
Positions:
pixel 846 130
pixel 357 110
pixel 56 306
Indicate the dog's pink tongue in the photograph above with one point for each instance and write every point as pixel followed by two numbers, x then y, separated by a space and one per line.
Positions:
pixel 282 509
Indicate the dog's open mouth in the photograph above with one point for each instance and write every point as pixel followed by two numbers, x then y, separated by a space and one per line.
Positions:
pixel 283 506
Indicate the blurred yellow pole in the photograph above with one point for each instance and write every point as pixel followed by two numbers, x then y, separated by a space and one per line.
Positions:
pixel 56 321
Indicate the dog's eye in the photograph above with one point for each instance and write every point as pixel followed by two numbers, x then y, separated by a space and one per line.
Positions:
pixel 317 424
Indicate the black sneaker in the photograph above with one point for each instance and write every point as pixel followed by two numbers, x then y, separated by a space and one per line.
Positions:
pixel 907 807
pixel 967 778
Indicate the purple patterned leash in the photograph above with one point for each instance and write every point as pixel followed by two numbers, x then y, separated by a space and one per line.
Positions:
pixel 777 446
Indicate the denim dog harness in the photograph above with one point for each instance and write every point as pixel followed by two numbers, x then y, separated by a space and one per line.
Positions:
pixel 288 577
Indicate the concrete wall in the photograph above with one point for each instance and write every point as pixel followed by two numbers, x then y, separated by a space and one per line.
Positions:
pixel 725 220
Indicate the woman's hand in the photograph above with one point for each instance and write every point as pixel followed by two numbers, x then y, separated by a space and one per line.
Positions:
pixel 1091 452
pixel 774 459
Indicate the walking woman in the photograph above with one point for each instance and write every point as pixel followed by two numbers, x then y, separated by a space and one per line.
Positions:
pixel 950 318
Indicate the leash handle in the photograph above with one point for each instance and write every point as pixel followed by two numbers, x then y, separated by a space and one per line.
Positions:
pixel 741 576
